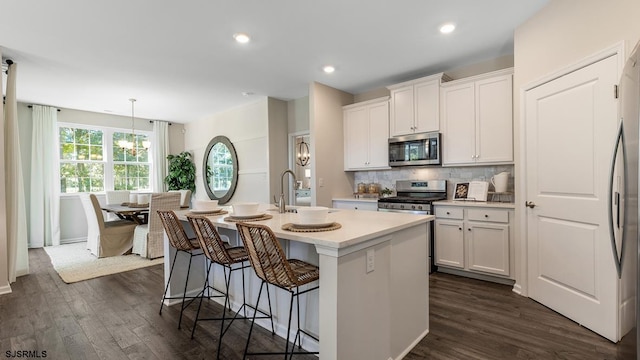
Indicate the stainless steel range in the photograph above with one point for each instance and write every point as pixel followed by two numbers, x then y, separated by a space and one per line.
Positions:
pixel 416 196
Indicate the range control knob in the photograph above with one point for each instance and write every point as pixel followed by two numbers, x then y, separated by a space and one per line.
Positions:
pixel 419 207
pixel 413 207
pixel 401 206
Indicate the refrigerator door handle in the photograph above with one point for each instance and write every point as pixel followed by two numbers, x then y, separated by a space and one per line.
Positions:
pixel 614 247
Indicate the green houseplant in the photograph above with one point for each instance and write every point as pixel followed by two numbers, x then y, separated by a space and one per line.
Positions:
pixel 182 172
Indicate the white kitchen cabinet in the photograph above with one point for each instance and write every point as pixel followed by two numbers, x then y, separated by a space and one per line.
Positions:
pixel 366 134
pixel 477 119
pixel 449 243
pixel 356 204
pixel 474 240
pixel 415 106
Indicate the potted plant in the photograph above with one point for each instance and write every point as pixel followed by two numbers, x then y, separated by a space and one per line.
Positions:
pixel 182 172
pixel 386 192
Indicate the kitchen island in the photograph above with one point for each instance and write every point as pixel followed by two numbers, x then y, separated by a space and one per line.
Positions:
pixel 373 301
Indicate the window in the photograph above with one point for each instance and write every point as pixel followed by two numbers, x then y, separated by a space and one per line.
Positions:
pixel 91 160
pixel 222 164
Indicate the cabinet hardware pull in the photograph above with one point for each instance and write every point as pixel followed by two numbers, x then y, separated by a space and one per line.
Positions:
pixel 448 213
pixel 485 215
pixel 469 229
pixel 530 204
pixel 459 228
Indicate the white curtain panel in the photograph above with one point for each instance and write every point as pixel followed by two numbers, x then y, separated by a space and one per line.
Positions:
pixel 160 150
pixel 5 288
pixel 45 184
pixel 18 260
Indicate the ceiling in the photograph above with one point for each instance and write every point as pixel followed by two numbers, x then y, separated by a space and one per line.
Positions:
pixel 180 61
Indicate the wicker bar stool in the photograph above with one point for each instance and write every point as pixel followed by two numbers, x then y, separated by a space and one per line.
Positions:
pixel 231 259
pixel 271 265
pixel 183 244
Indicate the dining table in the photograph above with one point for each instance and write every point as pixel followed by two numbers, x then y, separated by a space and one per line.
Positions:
pixel 138 214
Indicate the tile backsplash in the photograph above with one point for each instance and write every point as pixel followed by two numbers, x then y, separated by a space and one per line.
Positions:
pixel 387 178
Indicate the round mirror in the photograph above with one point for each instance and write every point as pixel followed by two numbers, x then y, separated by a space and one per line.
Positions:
pixel 220 169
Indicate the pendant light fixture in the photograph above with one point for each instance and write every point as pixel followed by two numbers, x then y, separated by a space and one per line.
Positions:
pixel 303 156
pixel 130 145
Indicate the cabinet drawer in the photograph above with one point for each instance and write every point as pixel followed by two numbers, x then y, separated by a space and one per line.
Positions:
pixel 449 213
pixel 492 215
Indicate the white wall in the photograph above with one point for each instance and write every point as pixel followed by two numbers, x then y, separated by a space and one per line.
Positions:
pixel 256 131
pixel 278 147
pixel 560 34
pixel 328 178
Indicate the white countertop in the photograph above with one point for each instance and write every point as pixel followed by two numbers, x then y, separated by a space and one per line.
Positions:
pixel 357 226
pixel 485 204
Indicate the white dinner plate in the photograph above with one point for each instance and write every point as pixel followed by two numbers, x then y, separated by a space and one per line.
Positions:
pixel 206 211
pixel 253 216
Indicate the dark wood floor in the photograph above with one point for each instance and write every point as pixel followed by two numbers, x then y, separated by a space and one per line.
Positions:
pixel 116 317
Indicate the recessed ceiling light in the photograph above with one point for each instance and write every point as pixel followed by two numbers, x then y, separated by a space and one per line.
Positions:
pixel 247 93
pixel 447 28
pixel 241 38
pixel 328 69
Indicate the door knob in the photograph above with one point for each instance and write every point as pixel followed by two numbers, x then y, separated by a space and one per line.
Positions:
pixel 530 204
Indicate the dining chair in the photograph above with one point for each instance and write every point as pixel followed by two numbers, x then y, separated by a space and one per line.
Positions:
pixel 231 259
pixel 271 265
pixel 148 240
pixel 185 197
pixel 116 197
pixel 105 238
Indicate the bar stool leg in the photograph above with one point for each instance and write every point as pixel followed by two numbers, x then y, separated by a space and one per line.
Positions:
pixel 205 287
pixel 224 310
pixel 253 320
pixel 273 329
pixel 286 345
pixel 164 297
pixel 184 293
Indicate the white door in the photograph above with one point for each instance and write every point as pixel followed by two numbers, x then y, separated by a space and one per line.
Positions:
pixel 570 133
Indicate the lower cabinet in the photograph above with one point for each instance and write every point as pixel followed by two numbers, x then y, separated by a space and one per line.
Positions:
pixel 474 239
pixel 355 204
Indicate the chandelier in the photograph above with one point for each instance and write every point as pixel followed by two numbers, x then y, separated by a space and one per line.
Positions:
pixel 303 156
pixel 125 144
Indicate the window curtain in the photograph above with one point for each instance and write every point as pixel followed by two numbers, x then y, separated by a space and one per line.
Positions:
pixel 18 259
pixel 45 184
pixel 160 152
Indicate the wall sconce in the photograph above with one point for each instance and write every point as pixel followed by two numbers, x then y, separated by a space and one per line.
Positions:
pixel 303 156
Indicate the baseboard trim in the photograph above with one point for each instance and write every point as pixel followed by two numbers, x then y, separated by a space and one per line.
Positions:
pixel 5 289
pixel 406 351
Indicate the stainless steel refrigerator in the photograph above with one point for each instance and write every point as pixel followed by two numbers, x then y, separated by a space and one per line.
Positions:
pixel 624 204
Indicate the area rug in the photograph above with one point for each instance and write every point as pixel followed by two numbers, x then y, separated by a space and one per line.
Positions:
pixel 74 262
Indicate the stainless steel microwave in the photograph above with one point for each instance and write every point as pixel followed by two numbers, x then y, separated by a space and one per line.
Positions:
pixel 416 149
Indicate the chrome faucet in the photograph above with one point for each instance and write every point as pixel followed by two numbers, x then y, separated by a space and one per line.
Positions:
pixel 281 204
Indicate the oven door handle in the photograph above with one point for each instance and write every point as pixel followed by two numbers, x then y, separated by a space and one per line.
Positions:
pixel 418 212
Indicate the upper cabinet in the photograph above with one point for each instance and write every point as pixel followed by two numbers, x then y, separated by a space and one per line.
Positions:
pixel 477 119
pixel 415 106
pixel 366 135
